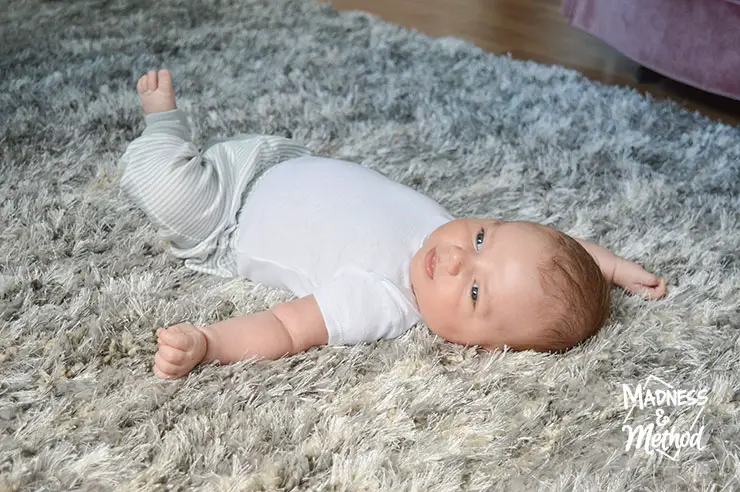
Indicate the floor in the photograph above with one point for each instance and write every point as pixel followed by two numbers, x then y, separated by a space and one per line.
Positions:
pixel 535 30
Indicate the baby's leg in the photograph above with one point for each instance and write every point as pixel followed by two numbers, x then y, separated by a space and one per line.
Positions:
pixel 192 197
pixel 166 176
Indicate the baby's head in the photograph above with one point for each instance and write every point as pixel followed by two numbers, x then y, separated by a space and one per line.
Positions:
pixel 517 284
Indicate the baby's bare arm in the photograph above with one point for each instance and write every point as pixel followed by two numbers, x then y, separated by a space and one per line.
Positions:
pixel 606 260
pixel 626 274
pixel 286 329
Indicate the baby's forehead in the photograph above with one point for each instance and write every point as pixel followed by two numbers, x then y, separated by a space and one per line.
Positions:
pixel 521 250
pixel 509 321
pixel 532 228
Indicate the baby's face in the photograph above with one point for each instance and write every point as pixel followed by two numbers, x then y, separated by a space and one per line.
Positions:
pixel 476 281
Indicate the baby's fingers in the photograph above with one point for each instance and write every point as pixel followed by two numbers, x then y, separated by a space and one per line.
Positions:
pixel 643 277
pixel 659 290
pixel 652 280
pixel 163 375
pixel 171 355
pixel 174 339
pixel 650 291
pixel 164 369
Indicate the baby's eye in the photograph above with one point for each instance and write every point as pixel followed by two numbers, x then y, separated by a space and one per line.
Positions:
pixel 479 239
pixel 474 293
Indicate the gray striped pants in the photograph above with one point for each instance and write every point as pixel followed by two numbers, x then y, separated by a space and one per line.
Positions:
pixel 193 198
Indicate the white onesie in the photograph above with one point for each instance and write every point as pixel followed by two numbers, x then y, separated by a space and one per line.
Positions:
pixel 310 225
pixel 345 234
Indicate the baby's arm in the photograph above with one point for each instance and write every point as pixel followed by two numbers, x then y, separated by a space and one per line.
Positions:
pixel 626 274
pixel 286 329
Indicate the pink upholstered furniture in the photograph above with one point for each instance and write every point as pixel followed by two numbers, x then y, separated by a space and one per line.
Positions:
pixel 696 42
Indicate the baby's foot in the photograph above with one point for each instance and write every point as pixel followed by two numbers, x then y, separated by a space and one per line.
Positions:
pixel 156 92
pixel 181 348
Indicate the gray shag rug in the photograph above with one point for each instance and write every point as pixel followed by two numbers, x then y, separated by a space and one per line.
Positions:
pixel 84 281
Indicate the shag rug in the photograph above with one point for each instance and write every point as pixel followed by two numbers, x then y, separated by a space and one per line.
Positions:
pixel 84 281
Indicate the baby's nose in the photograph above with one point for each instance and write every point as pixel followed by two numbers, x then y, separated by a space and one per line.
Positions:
pixel 455 260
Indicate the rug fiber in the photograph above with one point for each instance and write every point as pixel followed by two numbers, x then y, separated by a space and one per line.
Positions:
pixel 84 281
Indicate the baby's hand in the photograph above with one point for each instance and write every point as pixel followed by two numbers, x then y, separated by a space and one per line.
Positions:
pixel 181 348
pixel 636 280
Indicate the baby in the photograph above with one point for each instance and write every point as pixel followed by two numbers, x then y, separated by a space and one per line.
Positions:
pixel 367 257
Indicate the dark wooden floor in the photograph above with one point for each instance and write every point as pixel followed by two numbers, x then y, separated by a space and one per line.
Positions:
pixel 535 30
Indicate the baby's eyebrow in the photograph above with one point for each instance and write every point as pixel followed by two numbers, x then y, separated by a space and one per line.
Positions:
pixel 484 301
pixel 484 286
pixel 488 233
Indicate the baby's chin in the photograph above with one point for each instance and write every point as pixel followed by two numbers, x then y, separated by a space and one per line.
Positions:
pixel 417 271
pixel 455 335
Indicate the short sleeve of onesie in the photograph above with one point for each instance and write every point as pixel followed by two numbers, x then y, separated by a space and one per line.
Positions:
pixel 360 306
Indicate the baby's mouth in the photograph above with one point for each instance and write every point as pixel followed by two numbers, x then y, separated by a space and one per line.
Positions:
pixel 429 262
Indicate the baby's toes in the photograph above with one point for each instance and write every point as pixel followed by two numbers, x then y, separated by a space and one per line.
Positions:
pixel 141 84
pixel 165 80
pixel 151 80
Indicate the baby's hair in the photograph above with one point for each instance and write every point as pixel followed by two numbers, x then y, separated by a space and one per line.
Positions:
pixel 576 295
